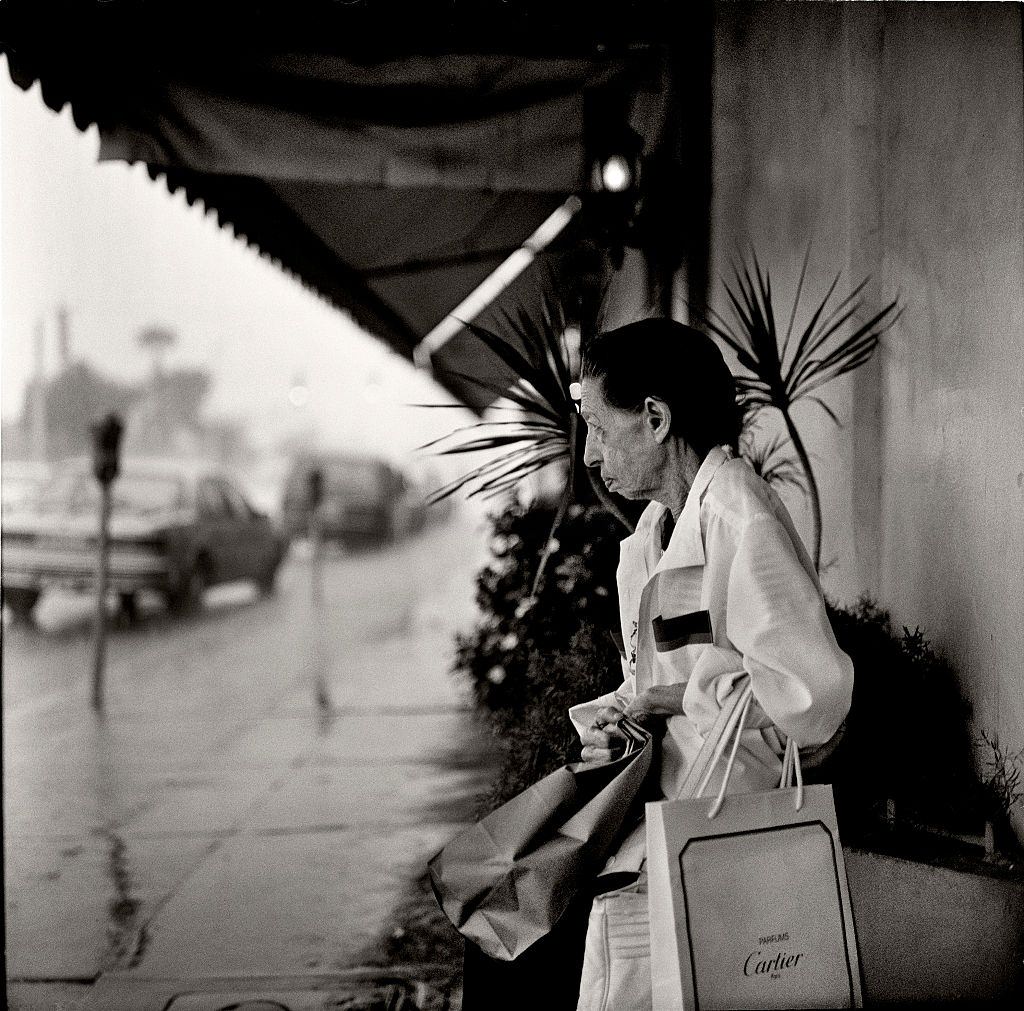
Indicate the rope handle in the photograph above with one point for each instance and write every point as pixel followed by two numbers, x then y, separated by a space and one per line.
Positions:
pixel 790 762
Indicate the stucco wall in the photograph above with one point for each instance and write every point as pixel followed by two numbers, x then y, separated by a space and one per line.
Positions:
pixel 780 184
pixel 891 137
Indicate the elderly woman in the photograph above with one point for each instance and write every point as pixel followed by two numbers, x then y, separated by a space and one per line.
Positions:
pixel 714 586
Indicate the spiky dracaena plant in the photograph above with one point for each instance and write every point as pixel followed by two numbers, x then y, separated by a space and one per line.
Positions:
pixel 777 370
pixel 547 423
pixel 768 459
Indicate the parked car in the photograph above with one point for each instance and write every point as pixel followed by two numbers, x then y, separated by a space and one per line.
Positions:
pixel 362 499
pixel 175 527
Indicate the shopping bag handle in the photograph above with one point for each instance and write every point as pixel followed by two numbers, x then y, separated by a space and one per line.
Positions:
pixel 791 767
pixel 790 761
pixel 736 717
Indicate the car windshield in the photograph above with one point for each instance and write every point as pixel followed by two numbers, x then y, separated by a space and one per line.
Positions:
pixel 132 493
pixel 358 478
pixel 354 480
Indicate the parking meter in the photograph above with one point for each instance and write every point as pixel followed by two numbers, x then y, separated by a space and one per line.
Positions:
pixel 316 488
pixel 316 497
pixel 106 463
pixel 106 449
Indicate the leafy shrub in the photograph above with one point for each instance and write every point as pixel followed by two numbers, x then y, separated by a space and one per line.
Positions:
pixel 578 591
pixel 540 738
pixel 528 661
pixel 908 733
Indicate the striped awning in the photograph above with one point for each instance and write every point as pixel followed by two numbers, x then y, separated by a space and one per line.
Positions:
pixel 386 156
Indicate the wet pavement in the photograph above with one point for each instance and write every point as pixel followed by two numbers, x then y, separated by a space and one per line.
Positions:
pixel 268 779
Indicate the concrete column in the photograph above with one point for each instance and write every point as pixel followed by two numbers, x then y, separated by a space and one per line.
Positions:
pixel 862 40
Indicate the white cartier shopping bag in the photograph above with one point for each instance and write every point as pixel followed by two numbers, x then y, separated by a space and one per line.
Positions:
pixel 748 897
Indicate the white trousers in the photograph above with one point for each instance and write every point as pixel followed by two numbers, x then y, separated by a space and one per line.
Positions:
pixel 617 959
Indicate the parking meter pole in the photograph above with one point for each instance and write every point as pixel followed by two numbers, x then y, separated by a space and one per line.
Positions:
pixel 316 560
pixel 106 463
pixel 315 491
pixel 102 571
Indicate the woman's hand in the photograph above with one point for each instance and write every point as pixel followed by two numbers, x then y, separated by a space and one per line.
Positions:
pixel 658 700
pixel 603 741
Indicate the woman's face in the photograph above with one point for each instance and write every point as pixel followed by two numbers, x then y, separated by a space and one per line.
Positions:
pixel 620 443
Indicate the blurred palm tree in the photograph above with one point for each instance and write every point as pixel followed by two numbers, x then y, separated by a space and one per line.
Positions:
pixel 777 370
pixel 533 346
pixel 768 458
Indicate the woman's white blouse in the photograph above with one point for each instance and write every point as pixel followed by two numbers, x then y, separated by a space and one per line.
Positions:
pixel 736 594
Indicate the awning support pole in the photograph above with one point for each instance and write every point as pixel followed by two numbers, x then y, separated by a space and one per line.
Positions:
pixel 494 284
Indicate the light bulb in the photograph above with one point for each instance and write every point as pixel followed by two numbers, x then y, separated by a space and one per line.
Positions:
pixel 616 175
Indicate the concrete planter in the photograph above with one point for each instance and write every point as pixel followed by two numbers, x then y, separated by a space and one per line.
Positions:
pixel 928 932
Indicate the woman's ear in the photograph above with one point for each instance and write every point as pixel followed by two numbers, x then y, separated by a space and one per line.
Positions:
pixel 658 418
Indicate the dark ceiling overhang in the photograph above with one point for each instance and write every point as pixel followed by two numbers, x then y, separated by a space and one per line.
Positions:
pixel 391 156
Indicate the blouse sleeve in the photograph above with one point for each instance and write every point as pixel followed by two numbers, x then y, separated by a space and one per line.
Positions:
pixel 776 620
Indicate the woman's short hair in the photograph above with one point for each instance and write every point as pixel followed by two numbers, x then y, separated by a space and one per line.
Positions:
pixel 662 358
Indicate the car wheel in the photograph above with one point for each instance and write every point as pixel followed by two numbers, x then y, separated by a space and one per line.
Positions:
pixel 21 602
pixel 187 597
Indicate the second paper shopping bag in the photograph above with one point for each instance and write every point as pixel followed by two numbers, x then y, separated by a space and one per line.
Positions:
pixel 748 901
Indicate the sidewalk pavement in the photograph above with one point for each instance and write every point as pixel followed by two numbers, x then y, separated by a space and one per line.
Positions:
pixel 255 852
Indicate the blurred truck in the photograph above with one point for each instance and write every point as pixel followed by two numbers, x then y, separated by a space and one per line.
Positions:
pixel 359 500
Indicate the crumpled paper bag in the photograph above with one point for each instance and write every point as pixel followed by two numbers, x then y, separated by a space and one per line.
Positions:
pixel 505 881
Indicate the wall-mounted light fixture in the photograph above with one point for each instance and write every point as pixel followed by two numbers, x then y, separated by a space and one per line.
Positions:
pixel 615 174
pixel 614 150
